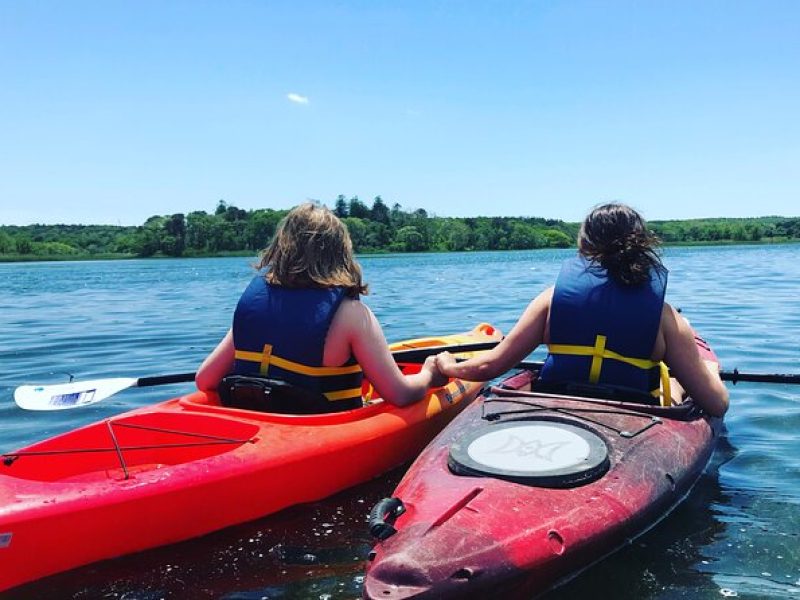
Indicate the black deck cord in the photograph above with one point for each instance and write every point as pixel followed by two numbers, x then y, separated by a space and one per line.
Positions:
pixel 187 433
pixel 534 408
pixel 117 448
pixel 9 458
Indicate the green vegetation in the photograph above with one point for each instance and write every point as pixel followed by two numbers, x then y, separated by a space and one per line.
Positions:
pixel 376 228
pixel 761 229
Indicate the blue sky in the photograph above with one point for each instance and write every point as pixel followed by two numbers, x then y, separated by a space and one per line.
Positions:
pixel 114 111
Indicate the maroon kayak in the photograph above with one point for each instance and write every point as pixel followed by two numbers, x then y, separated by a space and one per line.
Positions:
pixel 523 490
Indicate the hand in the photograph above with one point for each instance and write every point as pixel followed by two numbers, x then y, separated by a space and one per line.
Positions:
pixel 445 362
pixel 438 379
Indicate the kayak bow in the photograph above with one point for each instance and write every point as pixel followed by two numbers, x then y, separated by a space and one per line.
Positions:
pixel 523 490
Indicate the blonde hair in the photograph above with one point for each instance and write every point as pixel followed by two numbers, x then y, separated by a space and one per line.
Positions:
pixel 312 248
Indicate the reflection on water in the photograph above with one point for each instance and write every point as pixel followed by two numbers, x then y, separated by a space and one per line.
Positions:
pixel 312 551
pixel 738 532
pixel 666 562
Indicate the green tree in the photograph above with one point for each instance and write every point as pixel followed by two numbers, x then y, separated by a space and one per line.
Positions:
pixel 174 240
pixel 358 232
pixel 557 239
pixel 56 249
pixel 24 244
pixel 378 236
pixel 523 237
pixel 148 237
pixel 7 245
pixel 261 227
pixel 754 232
pixel 458 236
pixel 357 209
pixel 409 239
pixel 222 236
pixel 233 214
pixel 198 230
pixel 379 212
pixel 341 210
pixel 397 218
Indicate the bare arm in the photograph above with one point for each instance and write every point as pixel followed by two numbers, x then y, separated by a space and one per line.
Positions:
pixel 360 327
pixel 699 378
pixel 216 365
pixel 355 329
pixel 524 337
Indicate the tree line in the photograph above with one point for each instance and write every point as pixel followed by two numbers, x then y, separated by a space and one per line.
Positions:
pixel 373 228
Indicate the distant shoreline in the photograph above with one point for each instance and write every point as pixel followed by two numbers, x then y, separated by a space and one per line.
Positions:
pixel 379 230
pixel 29 258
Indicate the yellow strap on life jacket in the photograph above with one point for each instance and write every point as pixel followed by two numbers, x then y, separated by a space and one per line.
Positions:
pixel 665 391
pixel 266 358
pixel 343 394
pixel 599 352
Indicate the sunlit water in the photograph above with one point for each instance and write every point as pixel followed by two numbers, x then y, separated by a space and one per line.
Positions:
pixel 738 533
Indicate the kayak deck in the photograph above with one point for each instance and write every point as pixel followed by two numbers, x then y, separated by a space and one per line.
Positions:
pixel 475 534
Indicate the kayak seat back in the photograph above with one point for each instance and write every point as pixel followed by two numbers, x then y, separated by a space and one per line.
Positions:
pixel 265 394
pixel 596 390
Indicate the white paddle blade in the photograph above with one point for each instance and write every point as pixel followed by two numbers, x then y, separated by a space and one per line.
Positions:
pixel 61 396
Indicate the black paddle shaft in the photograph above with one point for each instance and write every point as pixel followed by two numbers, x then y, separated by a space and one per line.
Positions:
pixel 165 379
pixel 420 354
pixel 735 376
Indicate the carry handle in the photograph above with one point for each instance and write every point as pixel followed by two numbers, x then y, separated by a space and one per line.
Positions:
pixel 382 517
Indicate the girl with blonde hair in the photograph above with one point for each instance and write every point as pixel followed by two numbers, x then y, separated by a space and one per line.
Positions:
pixel 301 322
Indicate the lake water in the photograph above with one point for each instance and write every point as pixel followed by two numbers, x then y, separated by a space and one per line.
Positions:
pixel 738 533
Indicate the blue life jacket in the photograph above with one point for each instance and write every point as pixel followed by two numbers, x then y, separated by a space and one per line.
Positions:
pixel 280 333
pixel 603 332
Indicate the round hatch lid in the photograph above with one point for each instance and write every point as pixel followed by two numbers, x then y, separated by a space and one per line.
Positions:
pixel 537 452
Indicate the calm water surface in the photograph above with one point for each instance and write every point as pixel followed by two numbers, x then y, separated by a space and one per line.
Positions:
pixel 738 533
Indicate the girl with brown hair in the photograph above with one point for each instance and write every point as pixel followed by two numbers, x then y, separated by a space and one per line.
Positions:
pixel 302 323
pixel 606 323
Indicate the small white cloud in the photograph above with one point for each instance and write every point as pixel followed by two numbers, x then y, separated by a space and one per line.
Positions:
pixel 297 98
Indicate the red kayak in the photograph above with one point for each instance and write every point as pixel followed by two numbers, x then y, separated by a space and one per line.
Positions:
pixel 524 490
pixel 188 466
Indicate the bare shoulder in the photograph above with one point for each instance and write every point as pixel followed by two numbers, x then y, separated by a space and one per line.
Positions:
pixel 669 315
pixel 669 329
pixel 352 319
pixel 674 324
pixel 348 325
pixel 540 304
pixel 353 313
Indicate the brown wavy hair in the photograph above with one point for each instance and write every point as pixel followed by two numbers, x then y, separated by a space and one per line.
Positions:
pixel 616 236
pixel 312 249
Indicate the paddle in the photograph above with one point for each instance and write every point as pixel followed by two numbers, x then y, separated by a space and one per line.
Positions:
pixel 62 396
pixel 734 376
